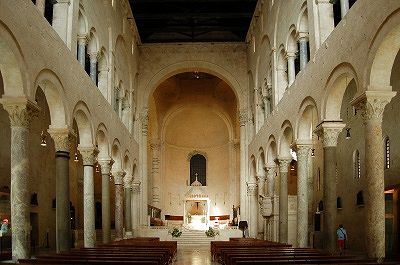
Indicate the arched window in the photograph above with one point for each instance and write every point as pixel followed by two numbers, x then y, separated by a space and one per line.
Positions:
pixel 357 164
pixel 198 169
pixel 387 153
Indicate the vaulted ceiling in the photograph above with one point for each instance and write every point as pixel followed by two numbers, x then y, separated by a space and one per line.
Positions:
pixel 161 21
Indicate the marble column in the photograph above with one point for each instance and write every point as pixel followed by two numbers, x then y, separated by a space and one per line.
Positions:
pixel 303 40
pixel 284 164
pixel 119 204
pixel 60 18
pixel 61 139
pixel 20 111
pixel 243 189
pixel 290 56
pixel 93 66
pixel 135 204
pixel 325 20
pixel 82 42
pixel 271 172
pixel 128 207
pixel 106 165
pixel 144 119
pixel 155 171
pixel 303 153
pixel 329 132
pixel 89 232
pixel 344 7
pixel 372 105
pixel 252 194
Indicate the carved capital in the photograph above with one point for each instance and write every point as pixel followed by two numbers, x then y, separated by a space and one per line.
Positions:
pixel 302 152
pixel 88 155
pixel 82 40
pixel 243 117
pixel 284 163
pixel 119 177
pixel 329 131
pixel 252 189
pixel 20 110
pixel 106 165
pixel 62 138
pixel 372 104
pixel 94 56
pixel 136 186
pixel 128 182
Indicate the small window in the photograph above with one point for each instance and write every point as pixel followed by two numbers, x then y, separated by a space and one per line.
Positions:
pixel 360 198
pixel 321 206
pixel 357 164
pixel 198 169
pixel 339 203
pixel 387 153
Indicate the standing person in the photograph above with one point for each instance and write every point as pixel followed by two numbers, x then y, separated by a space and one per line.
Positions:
pixel 341 238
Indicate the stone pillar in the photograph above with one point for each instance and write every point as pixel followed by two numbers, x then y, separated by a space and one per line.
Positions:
pixel 155 166
pixel 303 153
pixel 243 121
pixel 252 194
pixel 82 42
pixel 325 20
pixel 40 4
pixel 128 206
pixel 119 204
pixel 144 118
pixel 93 66
pixel 135 204
pixel 271 172
pixel 20 111
pixel 283 198
pixel 89 232
pixel 61 139
pixel 344 7
pixel 290 56
pixel 105 165
pixel 372 104
pixel 60 18
pixel 303 40
pixel 329 132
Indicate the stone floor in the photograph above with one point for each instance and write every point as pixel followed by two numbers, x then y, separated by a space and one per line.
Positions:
pixel 194 256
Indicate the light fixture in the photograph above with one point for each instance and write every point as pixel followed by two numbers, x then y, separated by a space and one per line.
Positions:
pixel 312 152
pixel 348 136
pixel 97 169
pixel 43 141
pixel 76 158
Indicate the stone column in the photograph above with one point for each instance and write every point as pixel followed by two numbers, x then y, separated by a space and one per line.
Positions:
pixel 20 111
pixel 252 194
pixel 344 7
pixel 82 42
pixel 303 152
pixel 119 204
pixel 144 119
pixel 290 56
pixel 89 232
pixel 243 209
pixel 325 20
pixel 40 4
pixel 60 18
pixel 303 40
pixel 128 206
pixel 93 66
pixel 271 172
pixel 284 163
pixel 372 104
pixel 329 132
pixel 61 139
pixel 155 166
pixel 135 204
pixel 105 165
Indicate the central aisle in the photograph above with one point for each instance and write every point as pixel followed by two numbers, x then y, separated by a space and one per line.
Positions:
pixel 190 255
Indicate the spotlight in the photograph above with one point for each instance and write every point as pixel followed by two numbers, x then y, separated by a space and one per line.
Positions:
pixel 43 141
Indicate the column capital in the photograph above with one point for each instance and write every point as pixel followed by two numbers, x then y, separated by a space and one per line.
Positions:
pixel 302 36
pixel 106 165
pixel 20 110
pixel 243 117
pixel 119 177
pixel 323 1
pixel 290 55
pixel 284 163
pixel 329 131
pixel 128 182
pixel 62 138
pixel 89 154
pixel 93 56
pixel 82 39
pixel 63 2
pixel 136 186
pixel 251 189
pixel 372 104
pixel 302 148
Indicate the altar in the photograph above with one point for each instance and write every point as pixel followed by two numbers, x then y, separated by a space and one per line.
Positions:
pixel 196 208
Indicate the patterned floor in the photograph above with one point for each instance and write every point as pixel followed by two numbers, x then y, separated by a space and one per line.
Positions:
pixel 194 256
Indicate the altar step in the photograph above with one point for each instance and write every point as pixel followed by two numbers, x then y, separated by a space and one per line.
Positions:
pixel 194 238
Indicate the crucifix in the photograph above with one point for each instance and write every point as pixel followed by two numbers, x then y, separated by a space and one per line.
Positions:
pixel 196 175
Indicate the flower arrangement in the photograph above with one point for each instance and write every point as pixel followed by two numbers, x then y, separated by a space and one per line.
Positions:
pixel 175 232
pixel 212 232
